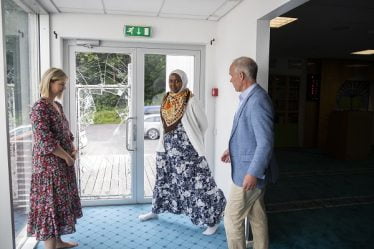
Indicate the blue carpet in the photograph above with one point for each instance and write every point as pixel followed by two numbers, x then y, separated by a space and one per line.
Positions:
pixel 308 174
pixel 117 227
pixel 329 228
pixel 318 203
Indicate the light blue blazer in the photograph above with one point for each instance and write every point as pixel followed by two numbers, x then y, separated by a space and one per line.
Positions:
pixel 252 140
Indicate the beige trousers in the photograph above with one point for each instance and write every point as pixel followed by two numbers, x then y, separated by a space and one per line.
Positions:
pixel 243 204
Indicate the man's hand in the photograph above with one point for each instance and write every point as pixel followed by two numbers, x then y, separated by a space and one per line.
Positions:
pixel 249 182
pixel 226 156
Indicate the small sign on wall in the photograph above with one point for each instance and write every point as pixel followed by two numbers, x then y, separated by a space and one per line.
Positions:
pixel 313 87
pixel 139 31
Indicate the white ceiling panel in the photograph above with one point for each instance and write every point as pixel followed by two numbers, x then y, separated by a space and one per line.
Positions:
pixel 131 13
pixel 191 7
pixel 48 5
pixel 140 6
pixel 78 10
pixel 78 4
pixel 213 18
pixel 225 8
pixel 183 16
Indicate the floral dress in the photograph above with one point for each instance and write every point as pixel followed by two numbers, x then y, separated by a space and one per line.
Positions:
pixel 184 183
pixel 54 200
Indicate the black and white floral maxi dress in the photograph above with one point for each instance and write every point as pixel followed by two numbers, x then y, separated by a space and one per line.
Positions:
pixel 184 183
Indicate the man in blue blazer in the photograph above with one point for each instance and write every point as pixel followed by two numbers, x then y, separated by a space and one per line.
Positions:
pixel 251 155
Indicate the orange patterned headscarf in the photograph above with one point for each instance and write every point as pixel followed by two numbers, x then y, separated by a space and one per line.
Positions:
pixel 173 108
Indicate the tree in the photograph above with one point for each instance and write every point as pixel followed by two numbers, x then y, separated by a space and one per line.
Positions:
pixel 154 78
pixel 108 69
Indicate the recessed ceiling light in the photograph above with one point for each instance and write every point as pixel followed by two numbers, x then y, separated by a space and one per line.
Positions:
pixel 364 52
pixel 281 21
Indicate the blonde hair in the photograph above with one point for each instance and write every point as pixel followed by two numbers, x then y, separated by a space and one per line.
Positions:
pixel 51 75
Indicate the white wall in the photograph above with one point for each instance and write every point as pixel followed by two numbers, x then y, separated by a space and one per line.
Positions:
pixel 235 35
pixel 238 35
pixel 110 28
pixel 45 49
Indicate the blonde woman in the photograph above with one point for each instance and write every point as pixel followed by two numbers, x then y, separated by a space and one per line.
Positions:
pixel 54 201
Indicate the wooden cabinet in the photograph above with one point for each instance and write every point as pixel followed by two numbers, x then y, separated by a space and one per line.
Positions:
pixel 284 92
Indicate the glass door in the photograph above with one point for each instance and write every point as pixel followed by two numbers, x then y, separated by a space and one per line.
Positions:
pixel 20 91
pixel 102 115
pixel 114 97
pixel 157 64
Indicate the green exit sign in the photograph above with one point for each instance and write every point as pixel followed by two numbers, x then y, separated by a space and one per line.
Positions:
pixel 137 31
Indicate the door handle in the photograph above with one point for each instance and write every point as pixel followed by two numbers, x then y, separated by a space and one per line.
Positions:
pixel 128 121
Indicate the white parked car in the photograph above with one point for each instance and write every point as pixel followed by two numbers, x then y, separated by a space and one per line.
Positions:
pixel 21 133
pixel 151 109
pixel 152 125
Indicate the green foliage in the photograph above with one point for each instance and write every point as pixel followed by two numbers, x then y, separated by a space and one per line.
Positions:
pixel 102 68
pixel 106 117
pixel 106 101
pixel 110 69
pixel 154 77
pixel 110 108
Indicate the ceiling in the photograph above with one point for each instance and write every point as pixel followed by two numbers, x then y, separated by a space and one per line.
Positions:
pixel 326 29
pixel 191 9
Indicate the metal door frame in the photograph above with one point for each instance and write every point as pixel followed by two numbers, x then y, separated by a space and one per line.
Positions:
pixel 69 100
pixel 141 52
pixel 137 51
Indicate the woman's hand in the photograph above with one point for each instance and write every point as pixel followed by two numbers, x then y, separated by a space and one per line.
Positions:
pixel 69 160
pixel 74 154
pixel 61 153
pixel 226 156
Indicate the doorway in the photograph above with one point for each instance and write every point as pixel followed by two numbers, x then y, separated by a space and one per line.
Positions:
pixel 114 102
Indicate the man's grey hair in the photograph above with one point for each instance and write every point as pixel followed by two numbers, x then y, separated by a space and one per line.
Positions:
pixel 247 66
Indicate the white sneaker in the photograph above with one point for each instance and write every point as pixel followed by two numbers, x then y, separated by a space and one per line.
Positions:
pixel 147 216
pixel 211 230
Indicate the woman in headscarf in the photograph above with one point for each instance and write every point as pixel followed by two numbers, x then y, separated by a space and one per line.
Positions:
pixel 184 183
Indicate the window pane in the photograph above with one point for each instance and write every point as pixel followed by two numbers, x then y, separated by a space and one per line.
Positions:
pixel 18 94
pixel 103 100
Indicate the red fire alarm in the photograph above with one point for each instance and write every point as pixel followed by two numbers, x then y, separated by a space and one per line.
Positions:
pixel 214 92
